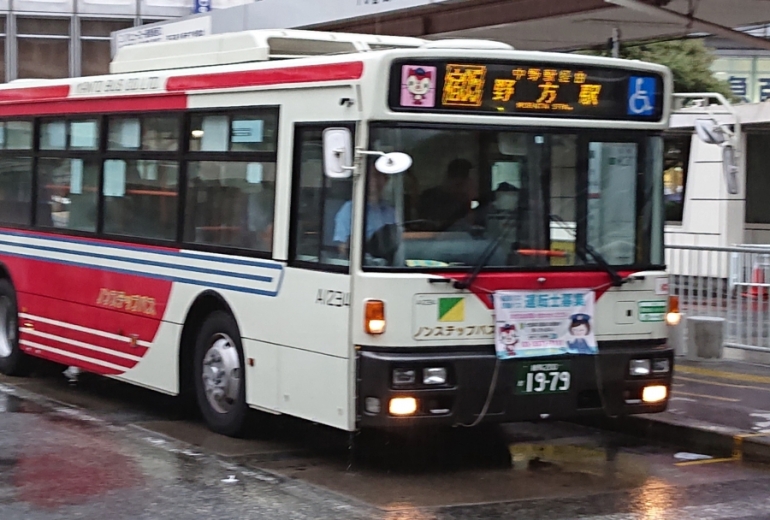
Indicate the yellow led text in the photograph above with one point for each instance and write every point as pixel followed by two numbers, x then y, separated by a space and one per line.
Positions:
pixel 464 85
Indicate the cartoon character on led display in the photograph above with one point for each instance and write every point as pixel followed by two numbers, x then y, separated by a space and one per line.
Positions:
pixel 509 338
pixel 419 83
pixel 579 329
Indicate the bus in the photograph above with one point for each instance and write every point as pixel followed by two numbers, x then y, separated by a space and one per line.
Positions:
pixel 360 231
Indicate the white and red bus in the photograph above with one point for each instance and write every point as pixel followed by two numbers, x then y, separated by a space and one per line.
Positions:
pixel 361 231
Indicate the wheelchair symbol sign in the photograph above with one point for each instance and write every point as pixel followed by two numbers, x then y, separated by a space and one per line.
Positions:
pixel 641 95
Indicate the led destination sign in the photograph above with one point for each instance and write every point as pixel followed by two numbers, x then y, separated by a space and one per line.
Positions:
pixel 540 89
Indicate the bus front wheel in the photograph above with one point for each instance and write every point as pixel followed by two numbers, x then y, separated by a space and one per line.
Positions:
pixel 219 374
pixel 13 362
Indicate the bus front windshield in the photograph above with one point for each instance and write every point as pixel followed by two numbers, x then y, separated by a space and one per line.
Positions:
pixel 519 199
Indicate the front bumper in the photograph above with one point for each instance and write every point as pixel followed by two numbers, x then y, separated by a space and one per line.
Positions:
pixel 600 384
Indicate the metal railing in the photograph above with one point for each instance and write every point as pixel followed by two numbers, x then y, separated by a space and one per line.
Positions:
pixel 732 283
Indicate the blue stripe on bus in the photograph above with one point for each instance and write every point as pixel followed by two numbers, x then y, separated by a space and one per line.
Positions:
pixel 199 270
pixel 176 279
pixel 138 248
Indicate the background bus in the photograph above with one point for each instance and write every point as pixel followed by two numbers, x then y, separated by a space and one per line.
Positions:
pixel 236 227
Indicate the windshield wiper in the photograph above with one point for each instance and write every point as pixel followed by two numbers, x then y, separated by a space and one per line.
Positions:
pixel 486 255
pixel 617 280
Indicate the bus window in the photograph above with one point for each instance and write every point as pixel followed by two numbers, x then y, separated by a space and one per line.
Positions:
pixel 230 204
pixel 67 193
pixel 140 198
pixel 676 159
pixel 15 190
pixel 322 206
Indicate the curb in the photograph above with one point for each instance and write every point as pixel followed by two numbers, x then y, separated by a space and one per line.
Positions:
pixel 692 435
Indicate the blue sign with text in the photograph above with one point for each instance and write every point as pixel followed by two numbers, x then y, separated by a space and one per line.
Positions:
pixel 201 6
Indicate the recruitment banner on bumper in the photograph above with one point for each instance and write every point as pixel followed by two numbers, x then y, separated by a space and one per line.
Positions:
pixel 544 323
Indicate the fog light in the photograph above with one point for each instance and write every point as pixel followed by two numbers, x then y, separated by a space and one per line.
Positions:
pixel 404 376
pixel 639 367
pixel 661 366
pixel 372 405
pixel 434 376
pixel 403 406
pixel 653 394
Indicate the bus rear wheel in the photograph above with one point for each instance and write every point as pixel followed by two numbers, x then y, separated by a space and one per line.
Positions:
pixel 219 375
pixel 13 362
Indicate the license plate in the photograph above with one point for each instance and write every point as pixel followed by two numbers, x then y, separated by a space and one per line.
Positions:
pixel 539 377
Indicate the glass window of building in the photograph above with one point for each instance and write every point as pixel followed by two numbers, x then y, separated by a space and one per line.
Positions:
pixel 43 48
pixel 95 44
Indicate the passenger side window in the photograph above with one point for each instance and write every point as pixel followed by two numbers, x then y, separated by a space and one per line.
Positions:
pixel 231 166
pixel 140 198
pixel 231 204
pixel 15 172
pixel 141 177
pixel 322 206
pixel 68 174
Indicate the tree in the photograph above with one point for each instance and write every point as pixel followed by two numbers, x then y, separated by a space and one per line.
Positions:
pixel 689 60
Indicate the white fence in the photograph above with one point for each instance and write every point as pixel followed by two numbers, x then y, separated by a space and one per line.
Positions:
pixel 726 282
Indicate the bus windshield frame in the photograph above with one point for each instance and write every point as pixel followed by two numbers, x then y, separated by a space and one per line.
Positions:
pixel 532 198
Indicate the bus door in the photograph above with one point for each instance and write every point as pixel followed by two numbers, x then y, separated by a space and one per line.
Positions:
pixel 314 375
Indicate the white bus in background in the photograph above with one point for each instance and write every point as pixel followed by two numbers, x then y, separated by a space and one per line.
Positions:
pixel 357 230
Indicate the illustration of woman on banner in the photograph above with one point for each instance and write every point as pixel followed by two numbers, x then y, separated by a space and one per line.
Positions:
pixel 509 338
pixel 579 329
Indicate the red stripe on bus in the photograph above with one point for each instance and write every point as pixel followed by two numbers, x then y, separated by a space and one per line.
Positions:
pixel 118 104
pixel 80 351
pixel 15 95
pixel 487 283
pixel 288 75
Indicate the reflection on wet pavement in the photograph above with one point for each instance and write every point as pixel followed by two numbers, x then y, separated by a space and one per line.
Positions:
pixel 130 456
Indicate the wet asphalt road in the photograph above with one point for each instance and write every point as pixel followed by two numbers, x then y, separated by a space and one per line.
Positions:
pixel 102 449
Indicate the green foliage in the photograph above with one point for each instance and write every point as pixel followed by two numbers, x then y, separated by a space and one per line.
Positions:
pixel 689 60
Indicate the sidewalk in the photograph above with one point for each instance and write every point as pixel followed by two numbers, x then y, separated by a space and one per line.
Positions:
pixel 721 408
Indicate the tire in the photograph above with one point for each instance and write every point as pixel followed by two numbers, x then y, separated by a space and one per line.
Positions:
pixel 13 362
pixel 221 396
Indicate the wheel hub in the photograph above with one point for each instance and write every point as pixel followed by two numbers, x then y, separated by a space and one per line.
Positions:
pixel 221 373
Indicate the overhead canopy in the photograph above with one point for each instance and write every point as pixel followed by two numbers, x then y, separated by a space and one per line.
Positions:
pixel 567 24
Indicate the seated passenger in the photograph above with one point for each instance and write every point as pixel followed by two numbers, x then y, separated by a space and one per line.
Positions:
pixel 449 204
pixel 378 213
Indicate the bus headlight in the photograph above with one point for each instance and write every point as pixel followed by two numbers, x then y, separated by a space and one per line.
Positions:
pixel 404 376
pixel 639 367
pixel 434 376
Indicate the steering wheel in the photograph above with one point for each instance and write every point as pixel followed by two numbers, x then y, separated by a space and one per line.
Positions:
pixel 384 243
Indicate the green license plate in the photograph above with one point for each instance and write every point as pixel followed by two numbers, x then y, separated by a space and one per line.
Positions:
pixel 543 377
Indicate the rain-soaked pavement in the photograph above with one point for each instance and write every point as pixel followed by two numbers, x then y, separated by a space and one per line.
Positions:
pixel 103 449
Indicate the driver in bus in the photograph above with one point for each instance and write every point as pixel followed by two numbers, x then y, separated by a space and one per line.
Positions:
pixel 378 213
pixel 449 204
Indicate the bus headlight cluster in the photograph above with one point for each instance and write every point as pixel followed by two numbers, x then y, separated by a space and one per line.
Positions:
pixel 431 376
pixel 645 367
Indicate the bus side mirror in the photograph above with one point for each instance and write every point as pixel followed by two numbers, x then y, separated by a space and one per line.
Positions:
pixel 338 153
pixel 711 132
